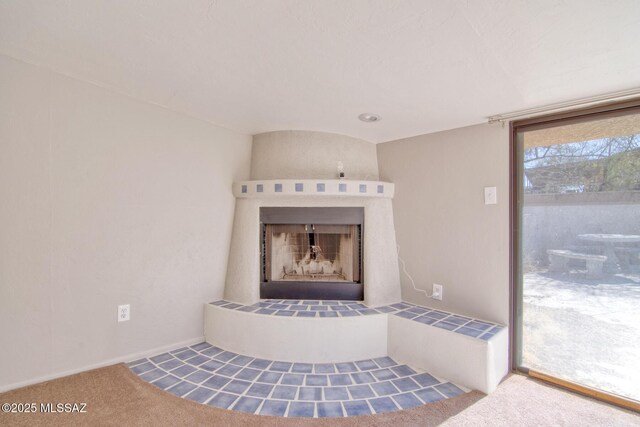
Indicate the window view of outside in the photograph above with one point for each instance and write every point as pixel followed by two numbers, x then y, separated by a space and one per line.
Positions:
pixel 581 253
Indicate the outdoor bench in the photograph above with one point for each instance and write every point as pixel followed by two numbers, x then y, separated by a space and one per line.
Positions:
pixel 560 257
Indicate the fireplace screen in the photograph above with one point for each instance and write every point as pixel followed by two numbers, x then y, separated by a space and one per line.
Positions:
pixel 312 253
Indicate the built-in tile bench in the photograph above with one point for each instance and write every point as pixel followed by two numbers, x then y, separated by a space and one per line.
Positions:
pixel 468 351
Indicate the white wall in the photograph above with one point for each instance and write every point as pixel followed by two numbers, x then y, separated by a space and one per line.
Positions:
pixel 105 200
pixel 446 233
pixel 295 154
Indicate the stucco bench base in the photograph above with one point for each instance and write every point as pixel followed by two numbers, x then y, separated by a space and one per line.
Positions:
pixel 474 358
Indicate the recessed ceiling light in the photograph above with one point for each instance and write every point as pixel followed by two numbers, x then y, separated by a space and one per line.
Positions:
pixel 369 118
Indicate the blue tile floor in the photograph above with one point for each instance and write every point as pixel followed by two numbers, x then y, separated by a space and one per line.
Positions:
pixel 210 375
pixel 302 308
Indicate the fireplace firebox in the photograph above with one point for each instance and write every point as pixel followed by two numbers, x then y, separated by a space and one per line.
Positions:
pixel 312 253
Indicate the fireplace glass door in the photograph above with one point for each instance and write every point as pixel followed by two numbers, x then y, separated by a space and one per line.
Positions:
pixel 312 253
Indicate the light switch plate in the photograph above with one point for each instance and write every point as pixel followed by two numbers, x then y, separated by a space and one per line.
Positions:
pixel 490 196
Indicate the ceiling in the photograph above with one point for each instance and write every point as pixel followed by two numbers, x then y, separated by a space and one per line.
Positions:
pixel 262 65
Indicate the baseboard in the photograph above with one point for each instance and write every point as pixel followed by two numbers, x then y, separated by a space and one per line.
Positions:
pixel 125 358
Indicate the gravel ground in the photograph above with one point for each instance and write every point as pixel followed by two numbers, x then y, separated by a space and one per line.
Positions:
pixel 584 330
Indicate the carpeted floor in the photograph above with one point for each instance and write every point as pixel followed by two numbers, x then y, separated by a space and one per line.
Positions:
pixel 116 396
pixel 523 401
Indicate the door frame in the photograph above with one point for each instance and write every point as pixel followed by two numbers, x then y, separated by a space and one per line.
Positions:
pixel 515 222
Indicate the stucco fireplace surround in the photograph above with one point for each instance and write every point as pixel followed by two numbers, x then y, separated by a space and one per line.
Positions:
pixel 328 201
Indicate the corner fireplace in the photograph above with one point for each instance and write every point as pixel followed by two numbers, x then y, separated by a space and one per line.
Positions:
pixel 312 253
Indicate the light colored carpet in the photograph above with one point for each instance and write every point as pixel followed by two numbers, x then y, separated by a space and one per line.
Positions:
pixel 524 401
pixel 116 396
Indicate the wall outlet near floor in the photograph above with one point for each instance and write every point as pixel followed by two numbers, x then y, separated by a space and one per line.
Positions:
pixel 437 292
pixel 124 313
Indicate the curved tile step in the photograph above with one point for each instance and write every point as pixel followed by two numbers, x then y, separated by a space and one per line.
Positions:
pixel 210 375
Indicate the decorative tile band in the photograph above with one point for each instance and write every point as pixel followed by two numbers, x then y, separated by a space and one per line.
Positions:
pixel 210 375
pixel 330 187
pixel 309 308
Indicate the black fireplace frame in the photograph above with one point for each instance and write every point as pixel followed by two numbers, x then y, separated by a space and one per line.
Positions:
pixel 270 289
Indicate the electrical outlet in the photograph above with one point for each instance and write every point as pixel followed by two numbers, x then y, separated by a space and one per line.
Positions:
pixel 437 292
pixel 124 313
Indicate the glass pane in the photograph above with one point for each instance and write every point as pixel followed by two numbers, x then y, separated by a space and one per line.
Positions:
pixel 580 246
pixel 313 253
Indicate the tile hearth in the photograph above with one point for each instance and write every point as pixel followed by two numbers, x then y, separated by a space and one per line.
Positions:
pixel 210 375
pixel 308 308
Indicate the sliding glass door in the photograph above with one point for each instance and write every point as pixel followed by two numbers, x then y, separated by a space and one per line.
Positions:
pixel 577 250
